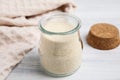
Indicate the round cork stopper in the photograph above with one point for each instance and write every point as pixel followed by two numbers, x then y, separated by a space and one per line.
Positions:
pixel 103 36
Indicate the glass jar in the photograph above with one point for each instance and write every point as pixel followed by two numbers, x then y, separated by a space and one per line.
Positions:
pixel 60 45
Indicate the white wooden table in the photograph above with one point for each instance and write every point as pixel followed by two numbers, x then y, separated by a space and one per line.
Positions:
pixel 96 64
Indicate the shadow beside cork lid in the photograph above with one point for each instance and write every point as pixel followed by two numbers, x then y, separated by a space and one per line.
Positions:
pixel 103 36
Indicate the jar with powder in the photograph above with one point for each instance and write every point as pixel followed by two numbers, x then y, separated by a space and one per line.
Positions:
pixel 60 45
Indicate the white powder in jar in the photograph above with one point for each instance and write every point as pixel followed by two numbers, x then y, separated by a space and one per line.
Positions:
pixel 60 54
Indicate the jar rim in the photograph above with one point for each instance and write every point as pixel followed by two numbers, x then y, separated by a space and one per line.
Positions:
pixel 42 29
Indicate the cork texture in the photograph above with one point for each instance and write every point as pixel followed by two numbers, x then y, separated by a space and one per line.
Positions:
pixel 103 36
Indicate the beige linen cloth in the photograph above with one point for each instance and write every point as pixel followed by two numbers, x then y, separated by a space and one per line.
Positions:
pixel 18 28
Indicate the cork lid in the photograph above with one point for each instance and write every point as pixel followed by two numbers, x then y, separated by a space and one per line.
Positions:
pixel 103 36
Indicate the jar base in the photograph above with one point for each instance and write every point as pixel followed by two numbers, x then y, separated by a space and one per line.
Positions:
pixel 58 75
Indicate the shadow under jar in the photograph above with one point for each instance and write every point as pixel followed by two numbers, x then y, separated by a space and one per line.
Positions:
pixel 60 45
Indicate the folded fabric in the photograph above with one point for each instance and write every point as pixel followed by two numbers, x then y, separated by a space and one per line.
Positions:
pixel 21 12
pixel 15 42
pixel 18 28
